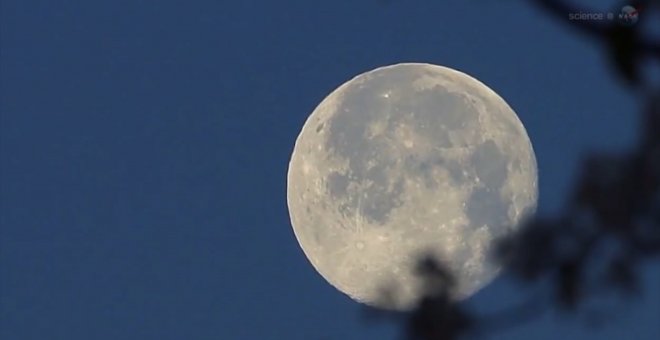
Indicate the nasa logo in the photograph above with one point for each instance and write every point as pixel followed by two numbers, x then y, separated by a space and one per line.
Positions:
pixel 629 15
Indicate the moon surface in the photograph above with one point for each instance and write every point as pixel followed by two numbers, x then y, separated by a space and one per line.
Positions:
pixel 405 160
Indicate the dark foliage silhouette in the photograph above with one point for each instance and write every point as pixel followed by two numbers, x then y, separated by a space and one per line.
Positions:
pixel 610 224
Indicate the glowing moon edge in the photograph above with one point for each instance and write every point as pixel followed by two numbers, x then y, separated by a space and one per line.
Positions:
pixel 376 179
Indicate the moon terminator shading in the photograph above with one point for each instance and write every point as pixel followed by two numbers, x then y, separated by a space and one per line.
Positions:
pixel 406 159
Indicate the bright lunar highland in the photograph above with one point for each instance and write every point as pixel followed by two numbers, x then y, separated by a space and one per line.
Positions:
pixel 406 160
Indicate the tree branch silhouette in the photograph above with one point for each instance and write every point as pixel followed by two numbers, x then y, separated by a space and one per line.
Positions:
pixel 615 205
pixel 627 48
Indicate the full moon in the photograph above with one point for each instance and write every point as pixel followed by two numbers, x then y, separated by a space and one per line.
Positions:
pixel 405 160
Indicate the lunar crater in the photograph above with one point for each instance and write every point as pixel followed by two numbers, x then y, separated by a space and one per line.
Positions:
pixel 405 159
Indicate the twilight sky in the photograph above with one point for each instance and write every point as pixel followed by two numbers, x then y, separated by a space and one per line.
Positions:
pixel 144 148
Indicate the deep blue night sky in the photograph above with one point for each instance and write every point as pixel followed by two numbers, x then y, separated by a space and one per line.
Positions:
pixel 144 147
